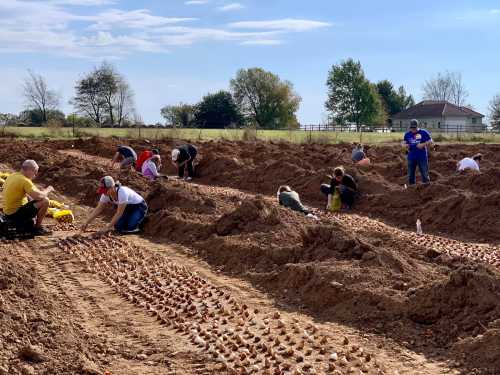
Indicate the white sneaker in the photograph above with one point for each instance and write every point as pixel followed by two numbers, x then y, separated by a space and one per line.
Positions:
pixel 189 178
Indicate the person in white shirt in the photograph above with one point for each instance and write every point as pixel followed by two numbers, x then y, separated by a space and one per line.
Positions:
pixel 469 163
pixel 131 207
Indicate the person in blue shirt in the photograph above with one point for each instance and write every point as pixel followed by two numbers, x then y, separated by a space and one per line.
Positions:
pixel 416 141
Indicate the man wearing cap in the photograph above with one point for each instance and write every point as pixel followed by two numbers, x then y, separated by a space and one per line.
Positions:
pixel 416 141
pixel 23 202
pixel 131 208
pixel 126 156
pixel 182 158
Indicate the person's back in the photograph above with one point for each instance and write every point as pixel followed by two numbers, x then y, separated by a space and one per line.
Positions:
pixel 468 163
pixel 291 199
pixel 127 152
pixel 15 190
pixel 357 154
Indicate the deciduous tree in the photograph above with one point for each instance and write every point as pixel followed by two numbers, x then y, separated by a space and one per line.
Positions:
pixel 264 99
pixel 351 97
pixel 38 96
pixel 217 111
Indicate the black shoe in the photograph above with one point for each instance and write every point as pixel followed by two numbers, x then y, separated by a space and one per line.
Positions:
pixel 41 231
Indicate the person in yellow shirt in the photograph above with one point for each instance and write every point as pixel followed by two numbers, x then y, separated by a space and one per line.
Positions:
pixel 23 202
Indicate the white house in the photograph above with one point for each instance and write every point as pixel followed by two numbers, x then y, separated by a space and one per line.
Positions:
pixel 439 115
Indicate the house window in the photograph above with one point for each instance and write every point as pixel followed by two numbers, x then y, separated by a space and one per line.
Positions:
pixel 474 120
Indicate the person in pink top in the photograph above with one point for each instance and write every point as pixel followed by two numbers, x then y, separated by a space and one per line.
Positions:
pixel 151 166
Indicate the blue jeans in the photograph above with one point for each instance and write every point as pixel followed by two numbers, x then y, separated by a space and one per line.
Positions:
pixel 132 216
pixel 423 166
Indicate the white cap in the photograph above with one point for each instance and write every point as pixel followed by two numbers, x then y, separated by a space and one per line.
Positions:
pixel 175 154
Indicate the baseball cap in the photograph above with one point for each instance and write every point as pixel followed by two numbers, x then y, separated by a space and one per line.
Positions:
pixel 105 183
pixel 414 123
pixel 175 154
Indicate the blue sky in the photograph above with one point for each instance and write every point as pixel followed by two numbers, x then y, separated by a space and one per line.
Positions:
pixel 175 51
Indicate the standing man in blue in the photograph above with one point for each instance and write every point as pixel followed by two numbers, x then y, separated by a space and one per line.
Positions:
pixel 416 141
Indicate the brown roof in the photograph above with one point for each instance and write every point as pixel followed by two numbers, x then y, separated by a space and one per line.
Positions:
pixel 431 108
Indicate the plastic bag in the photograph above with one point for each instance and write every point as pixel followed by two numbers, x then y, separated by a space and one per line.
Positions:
pixel 336 203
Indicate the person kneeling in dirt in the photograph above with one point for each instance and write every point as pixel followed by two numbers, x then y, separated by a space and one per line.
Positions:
pixel 145 155
pixel 126 156
pixel 344 184
pixel 183 158
pixel 469 163
pixel 151 166
pixel 23 202
pixel 131 207
pixel 359 157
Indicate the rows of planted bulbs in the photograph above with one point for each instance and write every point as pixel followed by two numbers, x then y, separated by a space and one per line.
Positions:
pixel 240 339
pixel 480 252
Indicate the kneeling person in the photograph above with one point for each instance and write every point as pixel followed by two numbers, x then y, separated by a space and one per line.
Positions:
pixel 469 163
pixel 151 166
pixel 23 202
pixel 344 184
pixel 131 208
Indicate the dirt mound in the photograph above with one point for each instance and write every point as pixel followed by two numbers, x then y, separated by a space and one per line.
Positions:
pixel 36 338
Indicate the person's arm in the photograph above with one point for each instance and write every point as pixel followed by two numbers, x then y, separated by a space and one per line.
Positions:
pixel 115 159
pixel 118 214
pixel 36 194
pixel 95 212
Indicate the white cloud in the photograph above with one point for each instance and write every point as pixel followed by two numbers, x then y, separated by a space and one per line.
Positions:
pixel 82 2
pixel 134 19
pixel 231 7
pixel 262 42
pixel 196 2
pixel 47 27
pixel 287 24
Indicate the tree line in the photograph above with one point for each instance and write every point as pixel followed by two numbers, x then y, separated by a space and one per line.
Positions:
pixel 256 98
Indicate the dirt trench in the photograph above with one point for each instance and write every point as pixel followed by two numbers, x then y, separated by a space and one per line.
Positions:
pixel 347 269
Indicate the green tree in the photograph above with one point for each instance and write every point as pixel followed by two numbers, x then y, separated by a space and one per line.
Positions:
pixel 217 111
pixel 351 97
pixel 181 115
pixel 392 100
pixel 495 112
pixel 36 117
pixel 264 99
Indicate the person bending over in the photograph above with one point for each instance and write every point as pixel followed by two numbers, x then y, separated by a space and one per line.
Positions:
pixel 291 199
pixel 145 155
pixel 469 163
pixel 151 167
pixel 131 208
pixel 24 202
pixel 126 156
pixel 183 158
pixel 344 184
pixel 358 156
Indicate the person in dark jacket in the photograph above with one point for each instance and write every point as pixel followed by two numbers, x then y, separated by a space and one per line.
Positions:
pixel 183 158
pixel 346 186
pixel 126 156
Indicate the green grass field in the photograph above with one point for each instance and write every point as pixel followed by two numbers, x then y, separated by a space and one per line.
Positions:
pixel 296 136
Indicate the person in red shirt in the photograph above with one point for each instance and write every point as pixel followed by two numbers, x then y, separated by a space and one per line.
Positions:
pixel 145 155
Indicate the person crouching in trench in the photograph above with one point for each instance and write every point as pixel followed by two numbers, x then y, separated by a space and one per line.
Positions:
pixel 131 208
